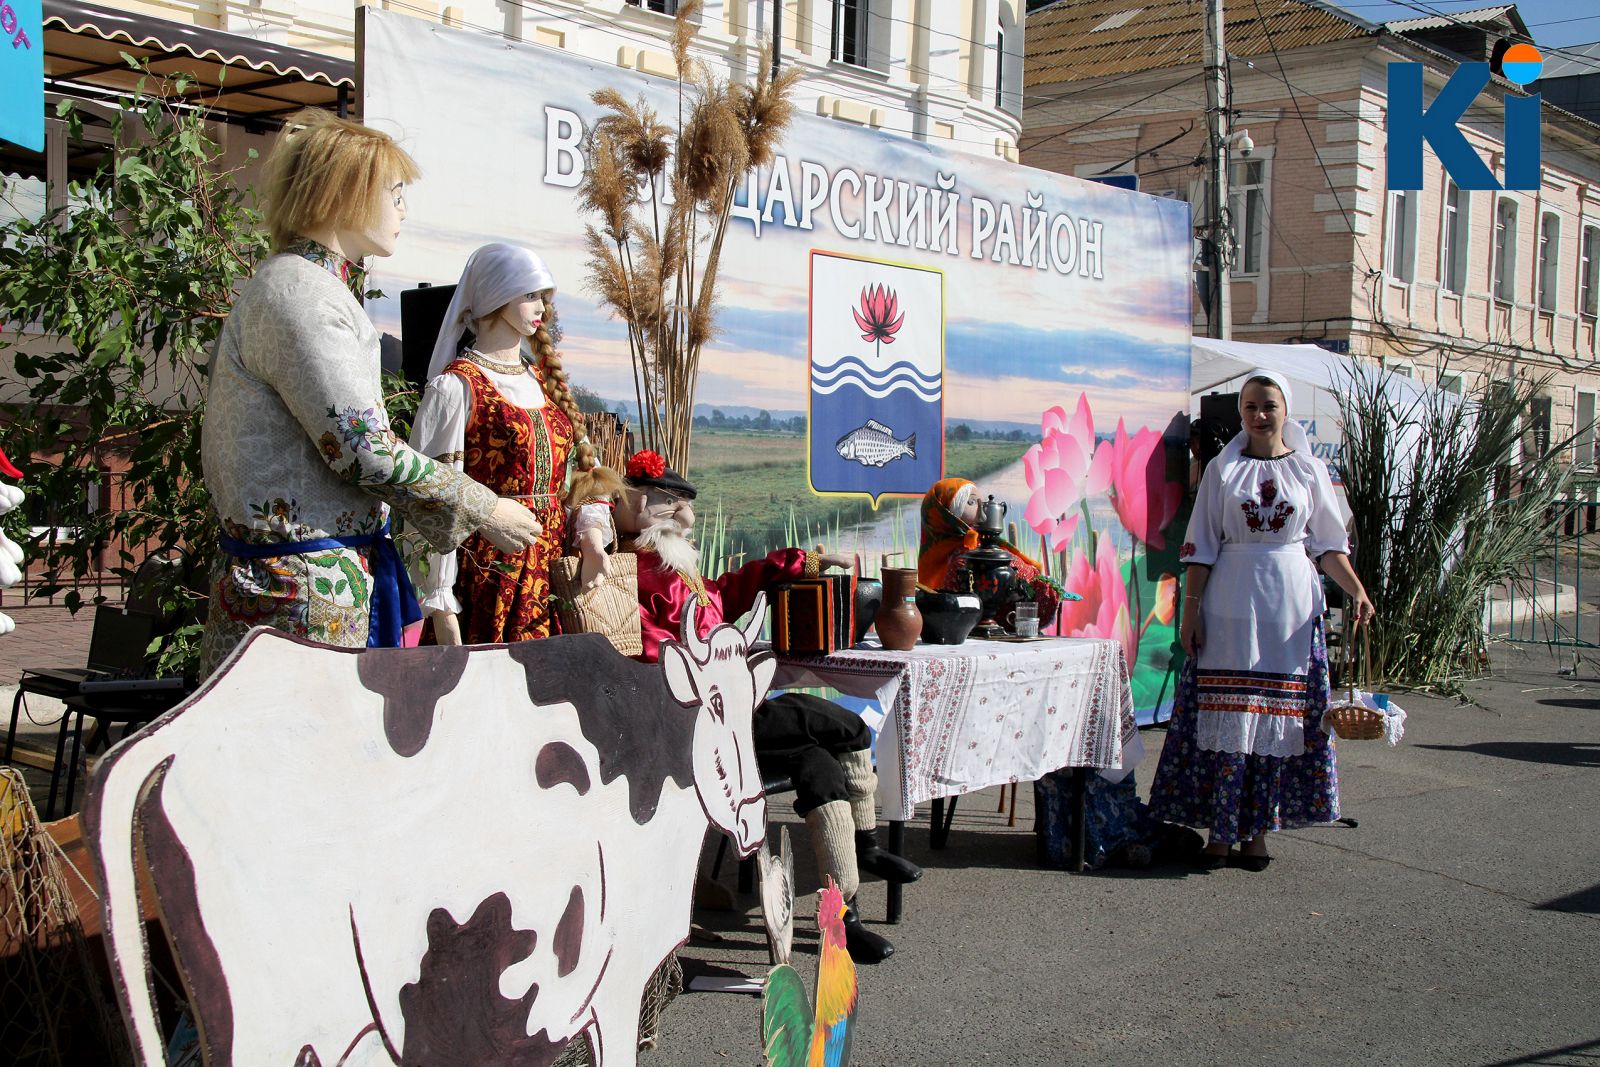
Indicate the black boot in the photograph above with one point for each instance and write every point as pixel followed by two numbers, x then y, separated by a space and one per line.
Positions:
pixel 881 862
pixel 864 945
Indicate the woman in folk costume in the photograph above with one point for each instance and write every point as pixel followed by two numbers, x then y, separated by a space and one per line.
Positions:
pixel 296 447
pixel 1246 752
pixel 509 421
pixel 949 510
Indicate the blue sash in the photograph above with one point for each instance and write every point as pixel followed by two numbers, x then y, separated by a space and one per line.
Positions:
pixel 394 601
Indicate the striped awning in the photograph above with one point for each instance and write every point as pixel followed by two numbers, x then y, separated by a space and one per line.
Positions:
pixel 235 77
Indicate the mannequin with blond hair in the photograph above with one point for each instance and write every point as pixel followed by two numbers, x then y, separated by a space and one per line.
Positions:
pixel 296 447
pixel 500 409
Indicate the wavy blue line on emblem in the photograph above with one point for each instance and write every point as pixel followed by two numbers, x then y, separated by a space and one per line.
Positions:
pixel 880 381
pixel 874 391
pixel 831 370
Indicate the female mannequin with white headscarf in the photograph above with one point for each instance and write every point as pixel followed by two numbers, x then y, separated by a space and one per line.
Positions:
pixel 507 418
pixel 1246 752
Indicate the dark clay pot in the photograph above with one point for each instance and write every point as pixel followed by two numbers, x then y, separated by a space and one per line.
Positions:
pixel 947 618
pixel 869 596
pixel 899 622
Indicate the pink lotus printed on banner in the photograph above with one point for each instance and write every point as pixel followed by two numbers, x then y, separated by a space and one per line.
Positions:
pixel 1103 611
pixel 1063 470
pixel 1145 501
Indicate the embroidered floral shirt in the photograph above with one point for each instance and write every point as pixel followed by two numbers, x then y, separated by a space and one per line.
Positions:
pixel 296 442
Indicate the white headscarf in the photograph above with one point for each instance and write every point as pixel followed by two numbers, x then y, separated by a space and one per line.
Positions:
pixel 1294 435
pixel 494 276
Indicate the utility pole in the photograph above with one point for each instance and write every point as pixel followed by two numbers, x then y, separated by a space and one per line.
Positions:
pixel 1219 243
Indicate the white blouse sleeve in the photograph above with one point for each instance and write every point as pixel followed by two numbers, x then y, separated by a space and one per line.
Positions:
pixel 1203 540
pixel 440 433
pixel 594 517
pixel 1325 530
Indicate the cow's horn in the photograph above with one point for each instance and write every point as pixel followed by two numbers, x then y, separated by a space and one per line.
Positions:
pixel 758 616
pixel 691 634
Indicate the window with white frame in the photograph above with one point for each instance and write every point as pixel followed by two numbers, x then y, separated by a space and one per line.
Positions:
pixel 1549 259
pixel 850 32
pixel 665 7
pixel 1505 250
pixel 1247 209
pixel 1452 383
pixel 1589 272
pixel 1453 239
pixel 1583 430
pixel 1403 235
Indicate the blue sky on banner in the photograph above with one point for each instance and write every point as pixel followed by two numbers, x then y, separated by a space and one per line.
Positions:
pixel 1027 325
pixel 22 73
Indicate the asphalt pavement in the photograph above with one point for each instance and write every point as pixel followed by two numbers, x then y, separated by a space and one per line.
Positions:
pixel 1458 924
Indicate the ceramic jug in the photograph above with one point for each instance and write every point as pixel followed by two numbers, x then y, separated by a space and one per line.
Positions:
pixel 899 622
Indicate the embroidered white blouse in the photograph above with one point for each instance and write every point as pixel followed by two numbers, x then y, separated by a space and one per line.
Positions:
pixel 1259 524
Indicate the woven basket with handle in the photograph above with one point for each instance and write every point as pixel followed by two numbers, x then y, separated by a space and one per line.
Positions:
pixel 610 608
pixel 1349 718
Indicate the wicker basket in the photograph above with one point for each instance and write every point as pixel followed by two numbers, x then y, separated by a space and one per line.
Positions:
pixel 1348 717
pixel 610 608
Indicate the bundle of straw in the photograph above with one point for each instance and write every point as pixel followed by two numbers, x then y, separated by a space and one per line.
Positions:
pixel 654 263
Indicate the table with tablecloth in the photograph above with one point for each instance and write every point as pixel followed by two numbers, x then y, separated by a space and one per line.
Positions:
pixel 959 718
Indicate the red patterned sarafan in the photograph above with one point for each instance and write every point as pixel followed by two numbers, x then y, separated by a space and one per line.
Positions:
pixel 646 464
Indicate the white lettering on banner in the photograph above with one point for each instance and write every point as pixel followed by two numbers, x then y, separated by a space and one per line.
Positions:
pixel 944 215
pixel 563 147
pixel 1061 226
pixel 1035 226
pixel 813 191
pixel 750 210
pixel 982 225
pixel 913 215
pixel 851 230
pixel 875 214
pixel 1006 237
pixel 778 194
pixel 1089 246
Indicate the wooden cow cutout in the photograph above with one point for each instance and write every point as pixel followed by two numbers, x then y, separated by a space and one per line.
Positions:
pixel 426 856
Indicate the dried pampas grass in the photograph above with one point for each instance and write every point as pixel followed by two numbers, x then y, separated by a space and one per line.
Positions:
pixel 654 259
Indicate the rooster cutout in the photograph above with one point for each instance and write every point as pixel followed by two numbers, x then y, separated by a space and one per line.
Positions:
pixel 10 552
pixel 793 1033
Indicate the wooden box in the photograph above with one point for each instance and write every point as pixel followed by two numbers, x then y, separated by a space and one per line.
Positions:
pixel 813 616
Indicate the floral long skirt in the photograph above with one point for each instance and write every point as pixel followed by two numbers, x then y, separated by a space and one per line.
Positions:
pixel 1240 796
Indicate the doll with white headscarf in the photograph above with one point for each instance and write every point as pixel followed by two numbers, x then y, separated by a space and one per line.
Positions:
pixel 1246 752
pixel 498 406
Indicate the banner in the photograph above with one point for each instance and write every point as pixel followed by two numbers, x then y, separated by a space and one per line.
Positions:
pixel 22 73
pixel 891 312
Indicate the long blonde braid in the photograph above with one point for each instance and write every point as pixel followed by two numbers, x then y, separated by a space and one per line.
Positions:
pixel 557 389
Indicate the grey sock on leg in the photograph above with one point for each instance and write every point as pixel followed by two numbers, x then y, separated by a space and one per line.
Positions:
pixel 833 839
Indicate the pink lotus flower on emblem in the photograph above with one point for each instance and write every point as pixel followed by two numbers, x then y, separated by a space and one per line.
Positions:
pixel 1145 501
pixel 1103 611
pixel 879 315
pixel 1062 470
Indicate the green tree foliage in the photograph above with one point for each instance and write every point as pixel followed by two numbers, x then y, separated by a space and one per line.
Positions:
pixel 129 288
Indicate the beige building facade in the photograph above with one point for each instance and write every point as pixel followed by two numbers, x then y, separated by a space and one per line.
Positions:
pixel 1443 283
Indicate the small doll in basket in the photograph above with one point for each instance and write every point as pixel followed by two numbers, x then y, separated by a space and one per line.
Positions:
pixel 590 500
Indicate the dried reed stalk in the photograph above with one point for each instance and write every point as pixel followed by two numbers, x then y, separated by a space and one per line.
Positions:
pixel 653 258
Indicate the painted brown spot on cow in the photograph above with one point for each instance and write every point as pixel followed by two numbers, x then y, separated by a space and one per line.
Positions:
pixel 454 1011
pixel 624 711
pixel 558 763
pixel 411 681
pixel 568 944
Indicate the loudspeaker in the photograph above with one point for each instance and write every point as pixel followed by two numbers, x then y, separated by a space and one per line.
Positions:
pixel 421 314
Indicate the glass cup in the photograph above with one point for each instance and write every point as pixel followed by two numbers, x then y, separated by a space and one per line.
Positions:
pixel 1024 619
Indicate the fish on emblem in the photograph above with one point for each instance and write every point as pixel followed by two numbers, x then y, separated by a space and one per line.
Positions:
pixel 874 444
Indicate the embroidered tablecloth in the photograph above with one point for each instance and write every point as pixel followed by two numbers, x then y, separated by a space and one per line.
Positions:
pixel 959 718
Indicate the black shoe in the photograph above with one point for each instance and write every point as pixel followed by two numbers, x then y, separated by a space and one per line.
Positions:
pixel 1256 864
pixel 1211 861
pixel 864 945
pixel 872 858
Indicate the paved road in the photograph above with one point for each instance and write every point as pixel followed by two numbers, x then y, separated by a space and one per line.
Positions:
pixel 1459 924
